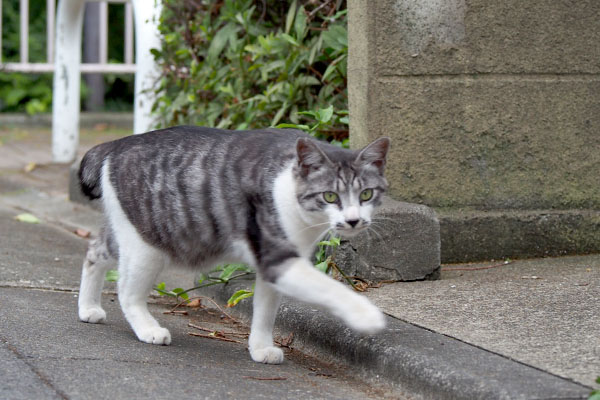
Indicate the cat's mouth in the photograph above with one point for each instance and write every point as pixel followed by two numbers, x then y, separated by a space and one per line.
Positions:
pixel 351 229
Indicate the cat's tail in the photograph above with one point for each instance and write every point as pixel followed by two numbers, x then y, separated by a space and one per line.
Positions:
pixel 90 170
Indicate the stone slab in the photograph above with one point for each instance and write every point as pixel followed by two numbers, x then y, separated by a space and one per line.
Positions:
pixel 403 243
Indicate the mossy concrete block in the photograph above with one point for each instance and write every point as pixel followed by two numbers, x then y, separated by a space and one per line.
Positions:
pixel 403 244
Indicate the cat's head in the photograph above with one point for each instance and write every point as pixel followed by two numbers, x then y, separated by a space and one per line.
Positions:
pixel 344 185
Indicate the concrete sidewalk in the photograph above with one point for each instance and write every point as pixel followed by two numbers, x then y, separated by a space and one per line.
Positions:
pixel 523 330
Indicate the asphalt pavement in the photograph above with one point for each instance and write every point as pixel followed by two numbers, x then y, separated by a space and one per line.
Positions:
pixel 524 329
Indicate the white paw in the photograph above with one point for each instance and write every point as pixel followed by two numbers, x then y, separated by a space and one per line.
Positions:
pixel 155 335
pixel 364 317
pixel 267 355
pixel 93 315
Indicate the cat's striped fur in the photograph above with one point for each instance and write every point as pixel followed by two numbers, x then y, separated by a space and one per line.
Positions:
pixel 198 197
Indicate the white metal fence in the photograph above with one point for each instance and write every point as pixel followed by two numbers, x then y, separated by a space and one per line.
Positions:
pixel 24 65
pixel 63 56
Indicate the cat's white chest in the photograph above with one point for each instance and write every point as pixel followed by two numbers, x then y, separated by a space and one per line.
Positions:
pixel 302 229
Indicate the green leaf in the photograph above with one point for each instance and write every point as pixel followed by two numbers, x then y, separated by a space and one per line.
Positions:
pixel 112 275
pixel 202 277
pixel 325 114
pixel 295 126
pixel 239 296
pixel 170 37
pixel 290 17
pixel 330 70
pixel 595 395
pixel 219 41
pixel 28 218
pixel 313 114
pixel 290 39
pixel 322 266
pixel 160 288
pixel 300 24
pixel 179 292
pixel 279 114
pixel 230 269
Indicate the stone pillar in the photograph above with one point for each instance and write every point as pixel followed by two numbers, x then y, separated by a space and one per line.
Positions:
pixel 492 107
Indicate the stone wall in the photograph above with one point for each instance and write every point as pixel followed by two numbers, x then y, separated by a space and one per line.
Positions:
pixel 491 105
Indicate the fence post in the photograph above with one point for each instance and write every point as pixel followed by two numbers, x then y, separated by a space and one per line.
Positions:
pixel 146 38
pixel 67 79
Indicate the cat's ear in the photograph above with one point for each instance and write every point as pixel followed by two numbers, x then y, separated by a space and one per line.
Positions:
pixel 309 155
pixel 374 154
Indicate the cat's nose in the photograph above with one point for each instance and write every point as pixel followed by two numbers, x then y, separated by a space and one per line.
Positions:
pixel 352 222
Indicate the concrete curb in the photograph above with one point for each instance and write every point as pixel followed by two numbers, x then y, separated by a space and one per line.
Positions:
pixel 412 358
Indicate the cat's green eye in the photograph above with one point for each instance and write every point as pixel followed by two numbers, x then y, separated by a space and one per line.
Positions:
pixel 330 197
pixel 366 194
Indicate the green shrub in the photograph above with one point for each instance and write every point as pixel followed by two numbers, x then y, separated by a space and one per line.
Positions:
pixel 24 92
pixel 32 93
pixel 243 64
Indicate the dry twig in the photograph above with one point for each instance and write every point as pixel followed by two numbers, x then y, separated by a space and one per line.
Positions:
pixel 222 333
pixel 258 378
pixel 224 339
pixel 201 297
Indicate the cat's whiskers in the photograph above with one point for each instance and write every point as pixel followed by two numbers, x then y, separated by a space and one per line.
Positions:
pixel 371 228
pixel 323 237
pixel 313 226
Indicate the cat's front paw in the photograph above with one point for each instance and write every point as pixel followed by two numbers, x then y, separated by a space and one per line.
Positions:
pixel 365 317
pixel 93 315
pixel 267 355
pixel 155 335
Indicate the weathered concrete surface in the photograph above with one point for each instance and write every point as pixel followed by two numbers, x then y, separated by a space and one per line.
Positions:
pixel 427 364
pixel 543 312
pixel 45 352
pixel 402 244
pixel 493 142
pixel 60 357
pixel 479 36
pixel 108 358
pixel 490 106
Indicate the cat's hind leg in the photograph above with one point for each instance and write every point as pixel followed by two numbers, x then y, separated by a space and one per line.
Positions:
pixel 139 266
pixel 265 304
pixel 97 262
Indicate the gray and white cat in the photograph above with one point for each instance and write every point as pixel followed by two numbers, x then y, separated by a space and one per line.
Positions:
pixel 200 197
